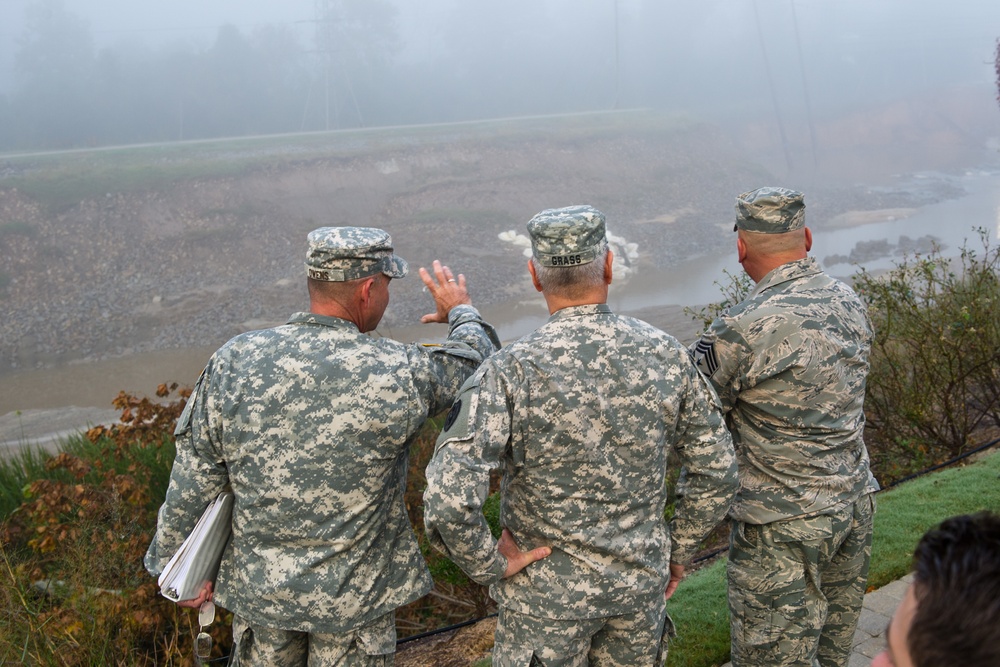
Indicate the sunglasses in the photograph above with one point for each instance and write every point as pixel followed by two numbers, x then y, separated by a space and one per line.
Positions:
pixel 203 642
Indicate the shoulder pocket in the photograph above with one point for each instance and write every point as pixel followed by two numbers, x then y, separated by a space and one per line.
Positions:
pixel 457 423
pixel 184 421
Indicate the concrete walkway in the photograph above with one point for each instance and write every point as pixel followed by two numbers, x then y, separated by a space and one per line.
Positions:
pixel 879 606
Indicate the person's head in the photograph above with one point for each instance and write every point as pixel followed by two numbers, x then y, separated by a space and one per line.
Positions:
pixel 570 260
pixel 770 223
pixel 348 270
pixel 950 615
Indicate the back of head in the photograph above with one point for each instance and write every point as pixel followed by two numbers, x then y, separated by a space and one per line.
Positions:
pixel 957 587
pixel 568 247
pixel 771 223
pixel 339 260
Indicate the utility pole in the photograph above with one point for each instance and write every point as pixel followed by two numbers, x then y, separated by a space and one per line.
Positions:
pixel 331 40
pixel 770 82
pixel 324 48
pixel 805 88
pixel 616 56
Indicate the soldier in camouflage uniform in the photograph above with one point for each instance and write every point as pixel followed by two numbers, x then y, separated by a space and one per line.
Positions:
pixel 789 364
pixel 581 417
pixel 310 424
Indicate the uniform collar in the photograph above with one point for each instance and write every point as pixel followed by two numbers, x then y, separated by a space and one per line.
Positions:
pixel 789 271
pixel 580 311
pixel 322 320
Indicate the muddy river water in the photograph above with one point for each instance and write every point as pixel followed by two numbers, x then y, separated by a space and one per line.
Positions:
pixel 872 239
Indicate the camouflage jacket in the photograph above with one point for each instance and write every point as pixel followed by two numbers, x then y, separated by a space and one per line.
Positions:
pixel 310 424
pixel 789 364
pixel 581 417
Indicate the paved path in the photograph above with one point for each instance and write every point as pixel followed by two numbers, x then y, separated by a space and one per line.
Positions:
pixel 880 605
pixel 878 608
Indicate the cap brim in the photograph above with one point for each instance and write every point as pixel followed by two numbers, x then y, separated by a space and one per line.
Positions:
pixel 397 267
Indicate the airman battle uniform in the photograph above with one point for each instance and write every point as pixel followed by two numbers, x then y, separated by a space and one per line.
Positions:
pixel 789 364
pixel 581 416
pixel 310 424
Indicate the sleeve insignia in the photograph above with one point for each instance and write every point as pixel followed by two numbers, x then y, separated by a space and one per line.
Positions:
pixel 705 357
pixel 456 408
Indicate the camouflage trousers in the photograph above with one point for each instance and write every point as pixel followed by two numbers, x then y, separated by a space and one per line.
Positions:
pixel 370 645
pixel 796 587
pixel 629 640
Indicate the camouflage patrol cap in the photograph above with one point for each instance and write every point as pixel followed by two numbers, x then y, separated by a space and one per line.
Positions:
pixel 770 210
pixel 337 254
pixel 568 236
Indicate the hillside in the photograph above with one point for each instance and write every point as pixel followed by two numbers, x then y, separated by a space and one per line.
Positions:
pixel 190 261
pixel 119 252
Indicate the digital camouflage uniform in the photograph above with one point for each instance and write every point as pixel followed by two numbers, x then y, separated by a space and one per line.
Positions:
pixel 310 424
pixel 789 364
pixel 580 416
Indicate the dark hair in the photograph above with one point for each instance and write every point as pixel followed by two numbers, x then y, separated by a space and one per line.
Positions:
pixel 957 586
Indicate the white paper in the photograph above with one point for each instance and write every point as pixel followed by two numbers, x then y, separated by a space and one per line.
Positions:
pixel 197 561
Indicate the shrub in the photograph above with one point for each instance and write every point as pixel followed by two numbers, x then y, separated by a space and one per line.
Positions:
pixel 934 378
pixel 735 288
pixel 73 590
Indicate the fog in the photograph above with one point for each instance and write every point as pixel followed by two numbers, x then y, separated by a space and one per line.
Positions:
pixel 98 72
pixel 878 94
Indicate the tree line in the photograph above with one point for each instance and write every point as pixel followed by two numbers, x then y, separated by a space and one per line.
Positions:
pixel 349 66
pixel 338 70
pixel 68 93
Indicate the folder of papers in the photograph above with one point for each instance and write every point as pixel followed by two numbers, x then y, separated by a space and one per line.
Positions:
pixel 197 561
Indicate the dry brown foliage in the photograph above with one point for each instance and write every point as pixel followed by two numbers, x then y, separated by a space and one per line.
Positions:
pixel 73 588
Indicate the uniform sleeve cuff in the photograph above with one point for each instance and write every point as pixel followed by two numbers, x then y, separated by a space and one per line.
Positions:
pixel 461 314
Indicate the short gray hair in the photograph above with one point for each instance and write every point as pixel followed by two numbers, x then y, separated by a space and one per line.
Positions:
pixel 571 281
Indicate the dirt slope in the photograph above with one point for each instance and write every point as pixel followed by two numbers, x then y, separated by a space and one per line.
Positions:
pixel 193 263
pixel 189 263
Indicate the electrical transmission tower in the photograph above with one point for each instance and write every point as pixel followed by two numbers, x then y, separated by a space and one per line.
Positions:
pixel 332 46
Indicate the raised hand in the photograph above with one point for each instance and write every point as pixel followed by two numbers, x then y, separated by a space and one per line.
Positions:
pixel 446 290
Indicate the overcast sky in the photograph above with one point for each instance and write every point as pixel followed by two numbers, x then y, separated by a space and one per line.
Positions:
pixel 154 22
pixel 698 50
pixel 424 23
pixel 159 22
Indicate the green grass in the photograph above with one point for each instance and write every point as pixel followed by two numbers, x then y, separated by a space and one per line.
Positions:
pixel 905 513
pixel 701 618
pixel 16 472
pixel 30 463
